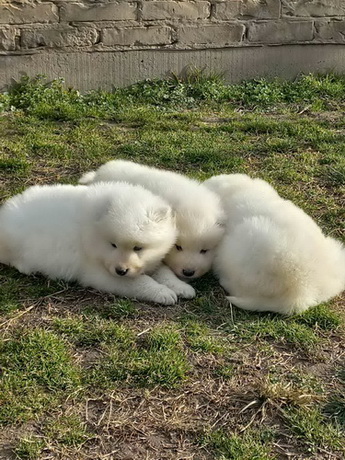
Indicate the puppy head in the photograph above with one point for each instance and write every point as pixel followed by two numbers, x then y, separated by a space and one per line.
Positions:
pixel 133 233
pixel 199 233
pixel 227 184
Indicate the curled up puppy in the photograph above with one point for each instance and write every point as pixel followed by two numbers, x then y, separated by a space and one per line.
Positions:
pixel 273 257
pixel 109 236
pixel 198 211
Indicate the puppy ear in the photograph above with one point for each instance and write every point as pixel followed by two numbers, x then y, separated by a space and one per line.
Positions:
pixel 160 214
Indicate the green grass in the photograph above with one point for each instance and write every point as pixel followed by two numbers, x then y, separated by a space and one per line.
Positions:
pixel 336 408
pixel 335 405
pixel 276 331
pixel 66 430
pixel 249 446
pixel 156 358
pixel 29 448
pixel 120 309
pixel 299 332
pixel 200 338
pixel 313 429
pixel 16 289
pixel 61 431
pixel 87 333
pixel 36 369
pixel 82 372
pixel 53 101
pixel 321 317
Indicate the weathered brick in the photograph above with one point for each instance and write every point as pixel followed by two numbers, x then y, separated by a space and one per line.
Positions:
pixel 151 35
pixel 318 8
pixel 7 38
pixel 227 10
pixel 330 31
pixel 98 11
pixel 217 34
pixel 276 32
pixel 263 9
pixel 175 10
pixel 30 13
pixel 59 37
pixel 267 9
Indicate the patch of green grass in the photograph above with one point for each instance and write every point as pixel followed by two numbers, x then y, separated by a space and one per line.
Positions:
pixel 311 427
pixel 293 334
pixel 53 101
pixel 225 371
pixel 4 103
pixel 306 383
pixel 335 408
pixel 275 330
pixel 299 332
pixel 83 332
pixel 321 317
pixel 29 448
pixel 308 89
pixel 156 358
pixel 36 367
pixel 13 165
pixel 200 338
pixel 121 309
pixel 66 430
pixel 9 293
pixel 334 176
pixel 41 355
pixel 16 289
pixel 252 445
pixel 302 332
pixel 59 430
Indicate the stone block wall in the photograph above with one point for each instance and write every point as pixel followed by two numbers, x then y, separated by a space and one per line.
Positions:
pixel 40 28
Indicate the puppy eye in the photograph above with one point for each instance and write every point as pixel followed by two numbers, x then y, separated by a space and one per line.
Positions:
pixel 113 245
pixel 179 248
pixel 203 251
pixel 137 249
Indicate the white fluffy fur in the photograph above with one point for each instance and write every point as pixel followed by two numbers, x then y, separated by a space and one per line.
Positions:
pixel 274 256
pixel 199 216
pixel 67 232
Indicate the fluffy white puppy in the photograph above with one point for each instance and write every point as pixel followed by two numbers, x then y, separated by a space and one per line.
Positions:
pixel 273 256
pixel 199 215
pixel 106 236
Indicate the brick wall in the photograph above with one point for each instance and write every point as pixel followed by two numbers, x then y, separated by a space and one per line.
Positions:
pixel 64 26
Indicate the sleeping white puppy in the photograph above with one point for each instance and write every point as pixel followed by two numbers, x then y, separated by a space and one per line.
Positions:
pixel 107 236
pixel 274 256
pixel 198 212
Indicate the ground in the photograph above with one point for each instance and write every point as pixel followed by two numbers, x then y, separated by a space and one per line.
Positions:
pixel 84 375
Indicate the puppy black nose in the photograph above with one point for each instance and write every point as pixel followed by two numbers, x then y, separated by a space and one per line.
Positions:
pixel 121 271
pixel 188 272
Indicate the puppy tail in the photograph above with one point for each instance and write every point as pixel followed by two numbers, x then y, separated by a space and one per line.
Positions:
pixel 260 304
pixel 87 178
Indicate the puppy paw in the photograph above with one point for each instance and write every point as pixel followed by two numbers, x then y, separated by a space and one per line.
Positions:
pixel 165 296
pixel 183 290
